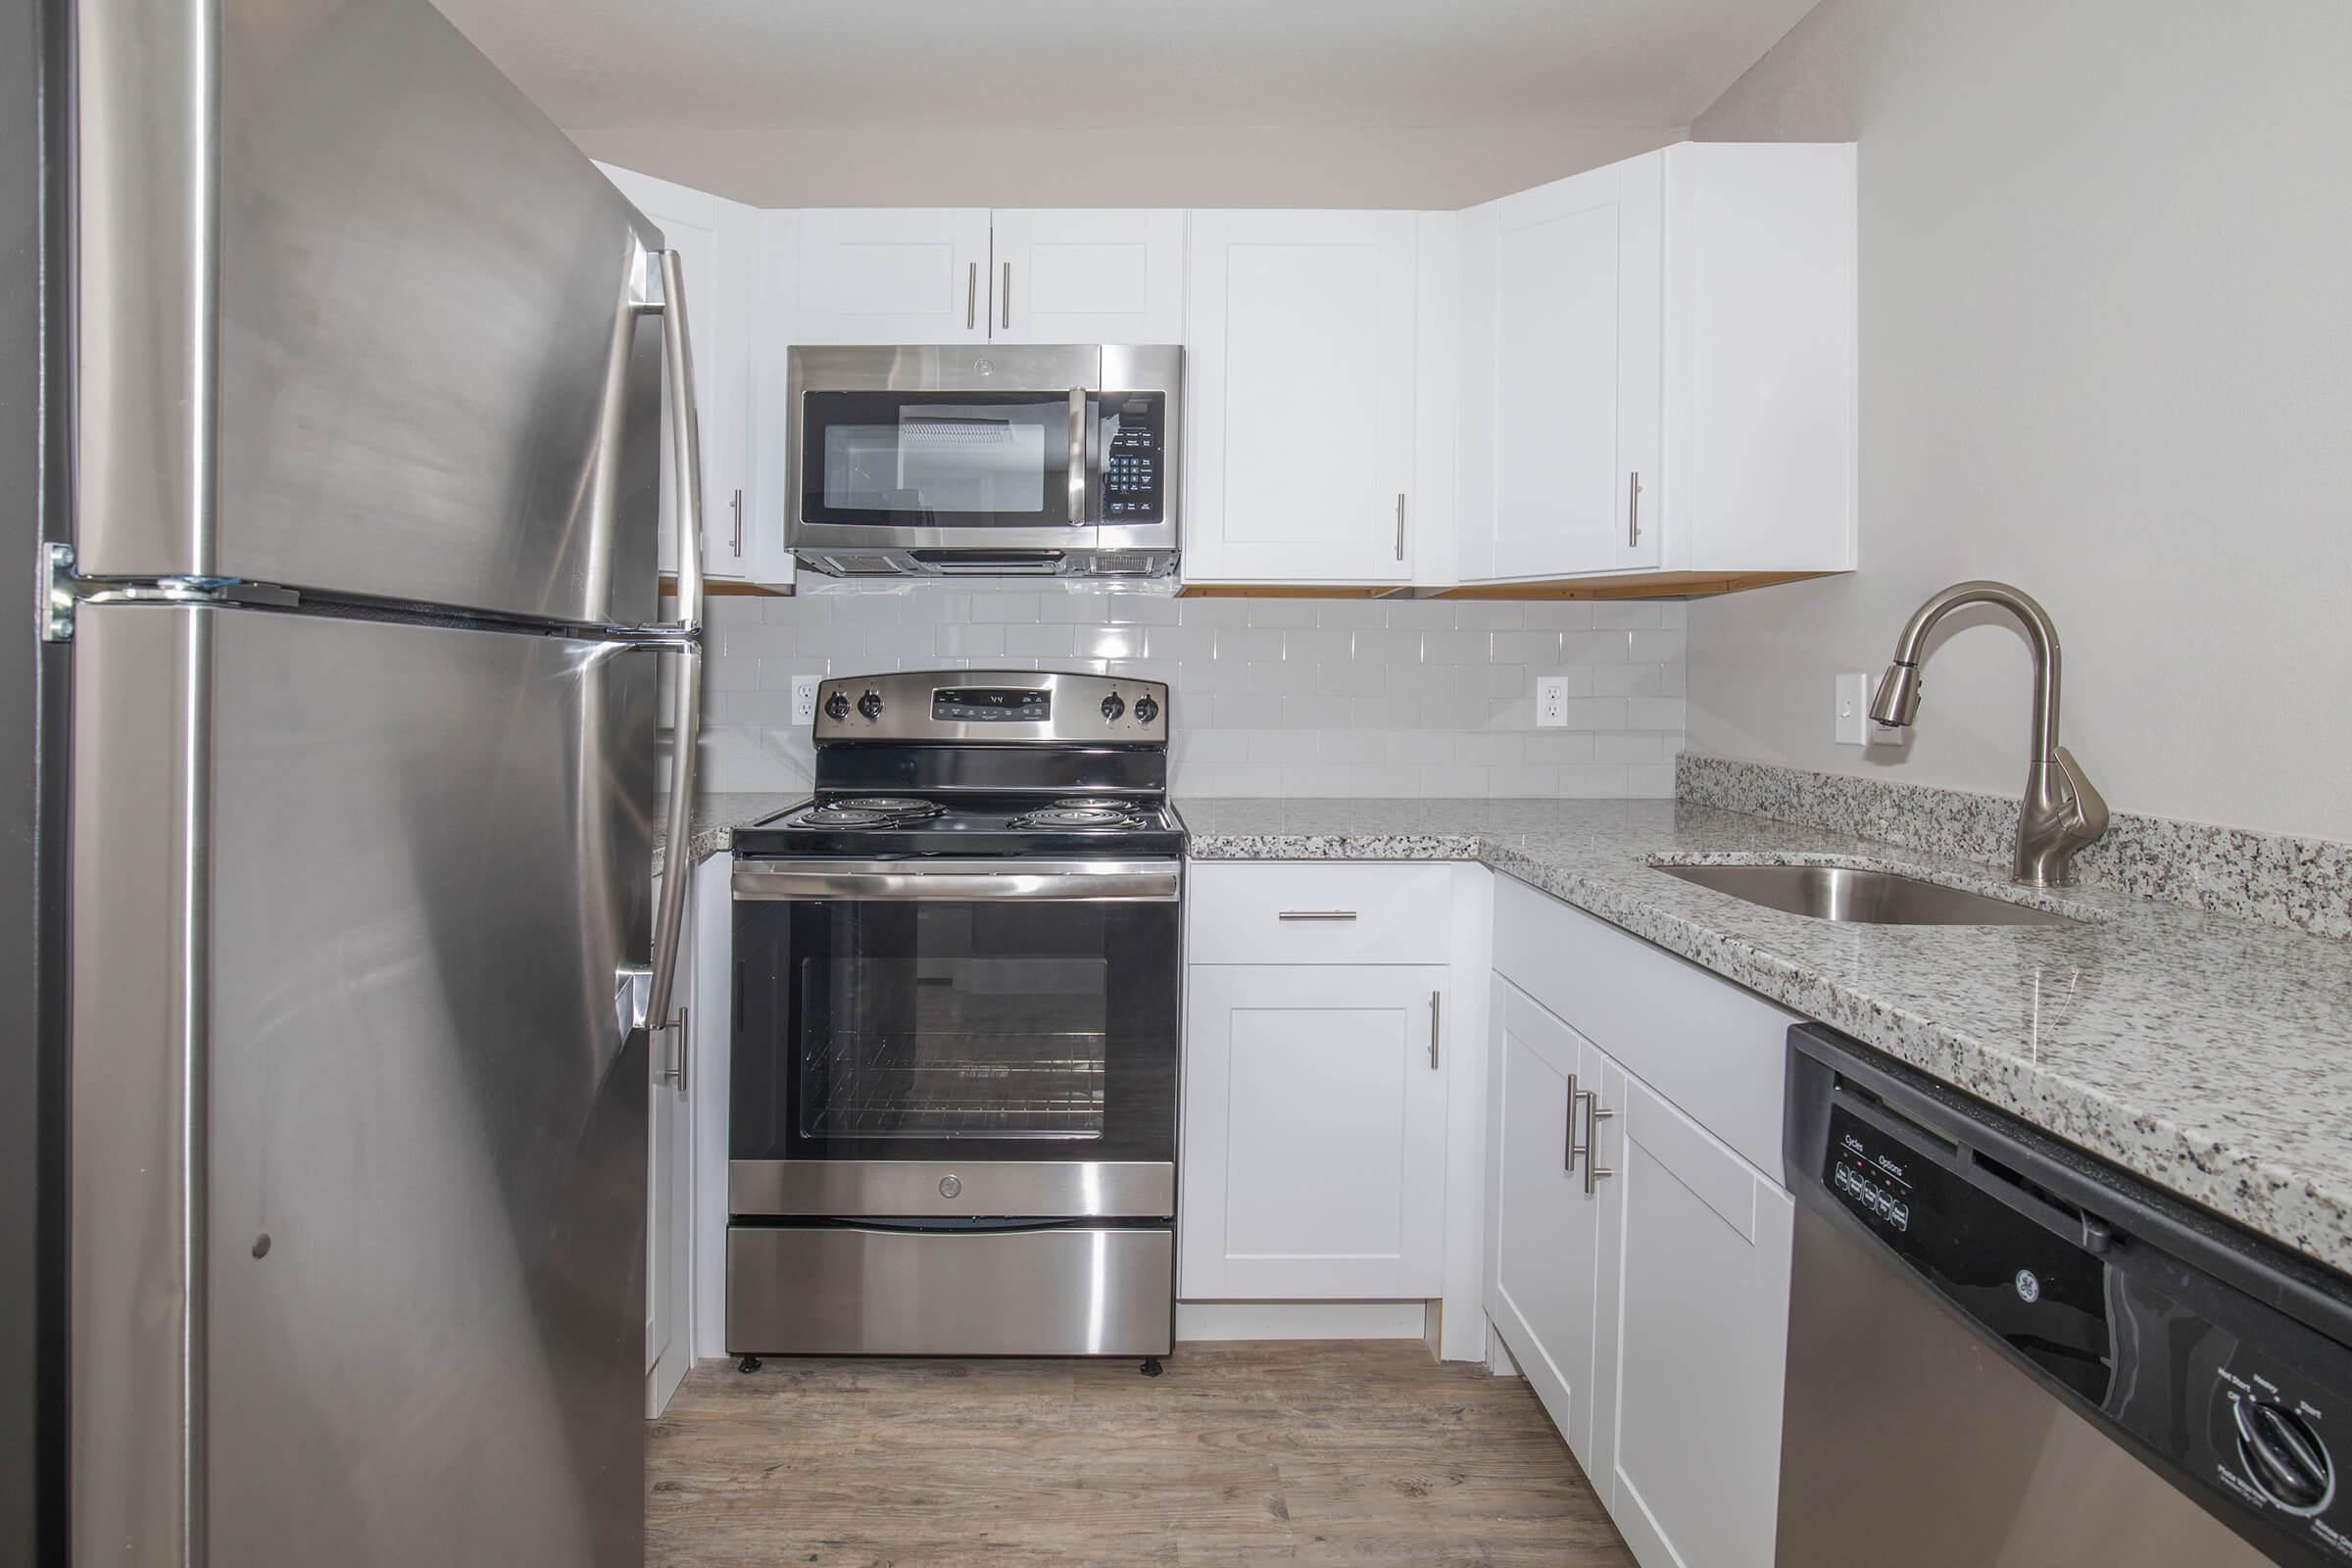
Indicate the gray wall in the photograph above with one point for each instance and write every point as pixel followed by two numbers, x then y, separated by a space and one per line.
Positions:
pixel 2106 354
pixel 1270 695
pixel 996 166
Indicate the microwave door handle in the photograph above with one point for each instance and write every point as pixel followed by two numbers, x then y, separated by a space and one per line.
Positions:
pixel 1079 514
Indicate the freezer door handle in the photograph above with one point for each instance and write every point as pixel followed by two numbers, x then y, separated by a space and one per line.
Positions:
pixel 686 709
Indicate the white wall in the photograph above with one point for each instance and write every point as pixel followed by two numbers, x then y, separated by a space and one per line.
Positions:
pixel 2106 354
pixel 1269 697
pixel 1239 165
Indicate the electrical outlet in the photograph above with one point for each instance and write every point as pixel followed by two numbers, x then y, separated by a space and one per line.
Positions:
pixel 804 699
pixel 1551 700
pixel 1853 709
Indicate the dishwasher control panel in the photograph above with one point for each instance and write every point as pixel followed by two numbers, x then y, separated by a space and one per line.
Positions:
pixel 2237 1393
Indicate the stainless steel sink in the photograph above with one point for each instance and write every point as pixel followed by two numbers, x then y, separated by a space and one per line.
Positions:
pixel 1861 897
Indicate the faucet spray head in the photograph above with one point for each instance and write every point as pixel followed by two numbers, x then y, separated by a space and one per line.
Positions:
pixel 1897 701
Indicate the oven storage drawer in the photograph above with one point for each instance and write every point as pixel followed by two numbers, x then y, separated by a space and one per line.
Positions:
pixel 1296 911
pixel 842 1290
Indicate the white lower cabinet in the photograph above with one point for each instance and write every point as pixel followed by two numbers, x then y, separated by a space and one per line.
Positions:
pixel 1637 1263
pixel 1701 1345
pixel 1544 1229
pixel 1314 1132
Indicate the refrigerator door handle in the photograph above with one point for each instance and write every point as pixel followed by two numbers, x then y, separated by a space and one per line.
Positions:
pixel 687 676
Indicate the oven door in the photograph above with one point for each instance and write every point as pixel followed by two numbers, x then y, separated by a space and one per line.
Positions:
pixel 976 1040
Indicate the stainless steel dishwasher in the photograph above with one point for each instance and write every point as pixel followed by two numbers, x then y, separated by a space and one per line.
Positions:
pixel 2003 1354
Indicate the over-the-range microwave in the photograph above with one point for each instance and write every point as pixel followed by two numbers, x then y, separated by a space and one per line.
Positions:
pixel 983 461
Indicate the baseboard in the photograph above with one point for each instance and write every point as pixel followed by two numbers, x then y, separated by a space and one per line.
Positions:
pixel 1302 1320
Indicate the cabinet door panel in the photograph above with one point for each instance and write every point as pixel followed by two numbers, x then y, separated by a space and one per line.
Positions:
pixel 1702 1344
pixel 1072 275
pixel 1315 1134
pixel 1562 351
pixel 717 242
pixel 1300 403
pixel 893 276
pixel 1542 1232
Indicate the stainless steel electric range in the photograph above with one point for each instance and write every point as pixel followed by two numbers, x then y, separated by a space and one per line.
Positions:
pixel 953 1126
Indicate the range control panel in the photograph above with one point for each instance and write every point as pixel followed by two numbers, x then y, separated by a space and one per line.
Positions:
pixel 1134 456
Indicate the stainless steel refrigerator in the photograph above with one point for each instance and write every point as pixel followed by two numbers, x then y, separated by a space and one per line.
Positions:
pixel 349 654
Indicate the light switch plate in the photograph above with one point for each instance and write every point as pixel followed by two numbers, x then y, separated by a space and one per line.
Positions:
pixel 804 699
pixel 1551 701
pixel 1853 709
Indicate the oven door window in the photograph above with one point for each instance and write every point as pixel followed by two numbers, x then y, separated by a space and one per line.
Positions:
pixel 936 460
pixel 898 1030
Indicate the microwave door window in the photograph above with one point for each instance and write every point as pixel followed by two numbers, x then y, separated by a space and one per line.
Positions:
pixel 944 459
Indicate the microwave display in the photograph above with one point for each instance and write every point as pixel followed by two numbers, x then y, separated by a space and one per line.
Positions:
pixel 1132 452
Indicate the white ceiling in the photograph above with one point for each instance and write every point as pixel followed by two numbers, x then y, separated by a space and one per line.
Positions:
pixel 748 64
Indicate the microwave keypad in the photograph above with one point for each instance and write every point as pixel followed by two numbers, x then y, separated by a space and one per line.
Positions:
pixel 1131 458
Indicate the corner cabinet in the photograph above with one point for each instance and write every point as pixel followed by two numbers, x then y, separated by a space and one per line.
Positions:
pixel 1658 368
pixel 1637 1263
pixel 1300 381
pixel 719 244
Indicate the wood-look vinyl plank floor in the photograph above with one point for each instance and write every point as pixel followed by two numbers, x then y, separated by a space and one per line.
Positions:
pixel 1356 1452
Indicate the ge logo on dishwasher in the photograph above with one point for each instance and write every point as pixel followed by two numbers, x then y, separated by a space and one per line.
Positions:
pixel 2029 1288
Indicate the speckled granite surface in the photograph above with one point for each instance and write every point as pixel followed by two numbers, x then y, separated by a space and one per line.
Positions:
pixel 2273 877
pixel 2210 1053
pixel 714 819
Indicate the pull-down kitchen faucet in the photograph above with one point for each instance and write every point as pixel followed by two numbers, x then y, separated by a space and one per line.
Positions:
pixel 2062 812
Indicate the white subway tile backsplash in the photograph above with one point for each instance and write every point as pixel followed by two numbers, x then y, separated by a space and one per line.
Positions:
pixel 1349 696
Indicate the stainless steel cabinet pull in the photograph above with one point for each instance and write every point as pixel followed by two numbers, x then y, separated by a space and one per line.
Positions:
pixel 1399 526
pixel 1574 1147
pixel 1594 1118
pixel 971 295
pixel 1316 914
pixel 1633 509
pixel 1008 294
pixel 1436 1000
pixel 735 543
pixel 676 1072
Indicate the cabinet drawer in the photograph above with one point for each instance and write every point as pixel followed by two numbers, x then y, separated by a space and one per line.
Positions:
pixel 1300 912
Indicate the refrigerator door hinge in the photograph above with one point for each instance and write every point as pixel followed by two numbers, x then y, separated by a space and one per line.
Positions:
pixel 64 590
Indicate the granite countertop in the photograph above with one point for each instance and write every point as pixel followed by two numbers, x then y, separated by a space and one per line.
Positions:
pixel 714 819
pixel 2210 1053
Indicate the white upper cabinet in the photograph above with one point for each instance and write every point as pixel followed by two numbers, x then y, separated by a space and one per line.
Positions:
pixel 1075 276
pixel 967 274
pixel 717 242
pixel 1561 344
pixel 1659 368
pixel 881 274
pixel 1299 398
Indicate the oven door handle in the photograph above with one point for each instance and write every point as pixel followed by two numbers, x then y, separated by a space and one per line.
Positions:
pixel 958 881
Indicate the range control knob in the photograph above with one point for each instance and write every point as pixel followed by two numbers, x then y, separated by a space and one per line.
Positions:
pixel 837 706
pixel 1112 708
pixel 1145 710
pixel 870 705
pixel 2284 1456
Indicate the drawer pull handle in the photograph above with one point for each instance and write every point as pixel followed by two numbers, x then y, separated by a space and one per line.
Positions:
pixel 1316 914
